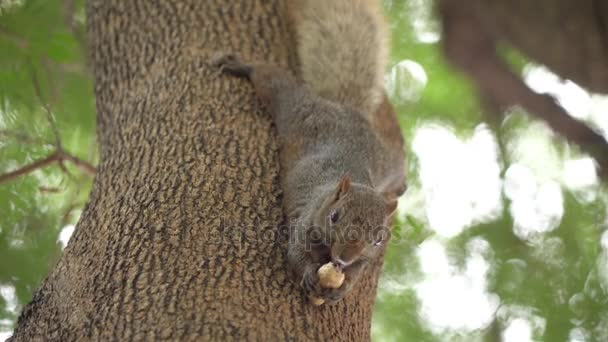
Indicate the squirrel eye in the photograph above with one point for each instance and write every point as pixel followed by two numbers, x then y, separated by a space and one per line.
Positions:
pixel 334 216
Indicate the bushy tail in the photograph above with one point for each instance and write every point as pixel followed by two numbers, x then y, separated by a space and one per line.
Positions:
pixel 343 50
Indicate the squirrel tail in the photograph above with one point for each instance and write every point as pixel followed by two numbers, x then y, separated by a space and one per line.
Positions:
pixel 343 48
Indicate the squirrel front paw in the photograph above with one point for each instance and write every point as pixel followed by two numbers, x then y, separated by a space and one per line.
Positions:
pixel 325 284
pixel 332 296
pixel 310 282
pixel 230 64
pixel 328 296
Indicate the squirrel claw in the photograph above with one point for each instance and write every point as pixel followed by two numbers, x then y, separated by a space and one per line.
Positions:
pixel 229 63
pixel 312 288
pixel 220 59
pixel 310 283
pixel 333 296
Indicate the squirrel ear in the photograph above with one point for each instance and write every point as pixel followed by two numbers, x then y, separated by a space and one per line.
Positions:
pixel 391 207
pixel 343 186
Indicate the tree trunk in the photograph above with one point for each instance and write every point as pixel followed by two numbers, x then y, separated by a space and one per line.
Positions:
pixel 180 238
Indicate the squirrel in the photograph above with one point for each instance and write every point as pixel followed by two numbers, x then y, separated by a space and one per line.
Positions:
pixel 341 149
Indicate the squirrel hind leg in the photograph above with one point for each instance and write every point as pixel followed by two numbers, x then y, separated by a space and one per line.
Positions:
pixel 230 64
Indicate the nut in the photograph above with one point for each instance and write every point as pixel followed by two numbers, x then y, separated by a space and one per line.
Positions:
pixel 330 276
pixel 316 301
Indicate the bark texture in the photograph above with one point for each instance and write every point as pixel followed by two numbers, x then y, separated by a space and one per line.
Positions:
pixel 180 238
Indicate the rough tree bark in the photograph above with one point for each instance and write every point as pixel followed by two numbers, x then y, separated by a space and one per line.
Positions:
pixel 179 239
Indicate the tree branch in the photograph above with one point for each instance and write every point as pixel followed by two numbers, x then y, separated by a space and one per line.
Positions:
pixel 79 163
pixel 57 156
pixel 473 50
pixel 49 190
pixel 29 168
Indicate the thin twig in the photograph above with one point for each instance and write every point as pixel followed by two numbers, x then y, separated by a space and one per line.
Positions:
pixel 38 164
pixel 48 189
pixel 46 107
pixel 57 156
pixel 65 170
pixel 79 163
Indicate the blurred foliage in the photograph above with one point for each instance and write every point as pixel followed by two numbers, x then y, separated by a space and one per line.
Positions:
pixel 562 285
pixel 42 46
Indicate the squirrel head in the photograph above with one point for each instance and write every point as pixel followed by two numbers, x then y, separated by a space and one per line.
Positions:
pixel 352 222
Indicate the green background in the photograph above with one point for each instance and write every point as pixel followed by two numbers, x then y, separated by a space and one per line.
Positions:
pixel 486 280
